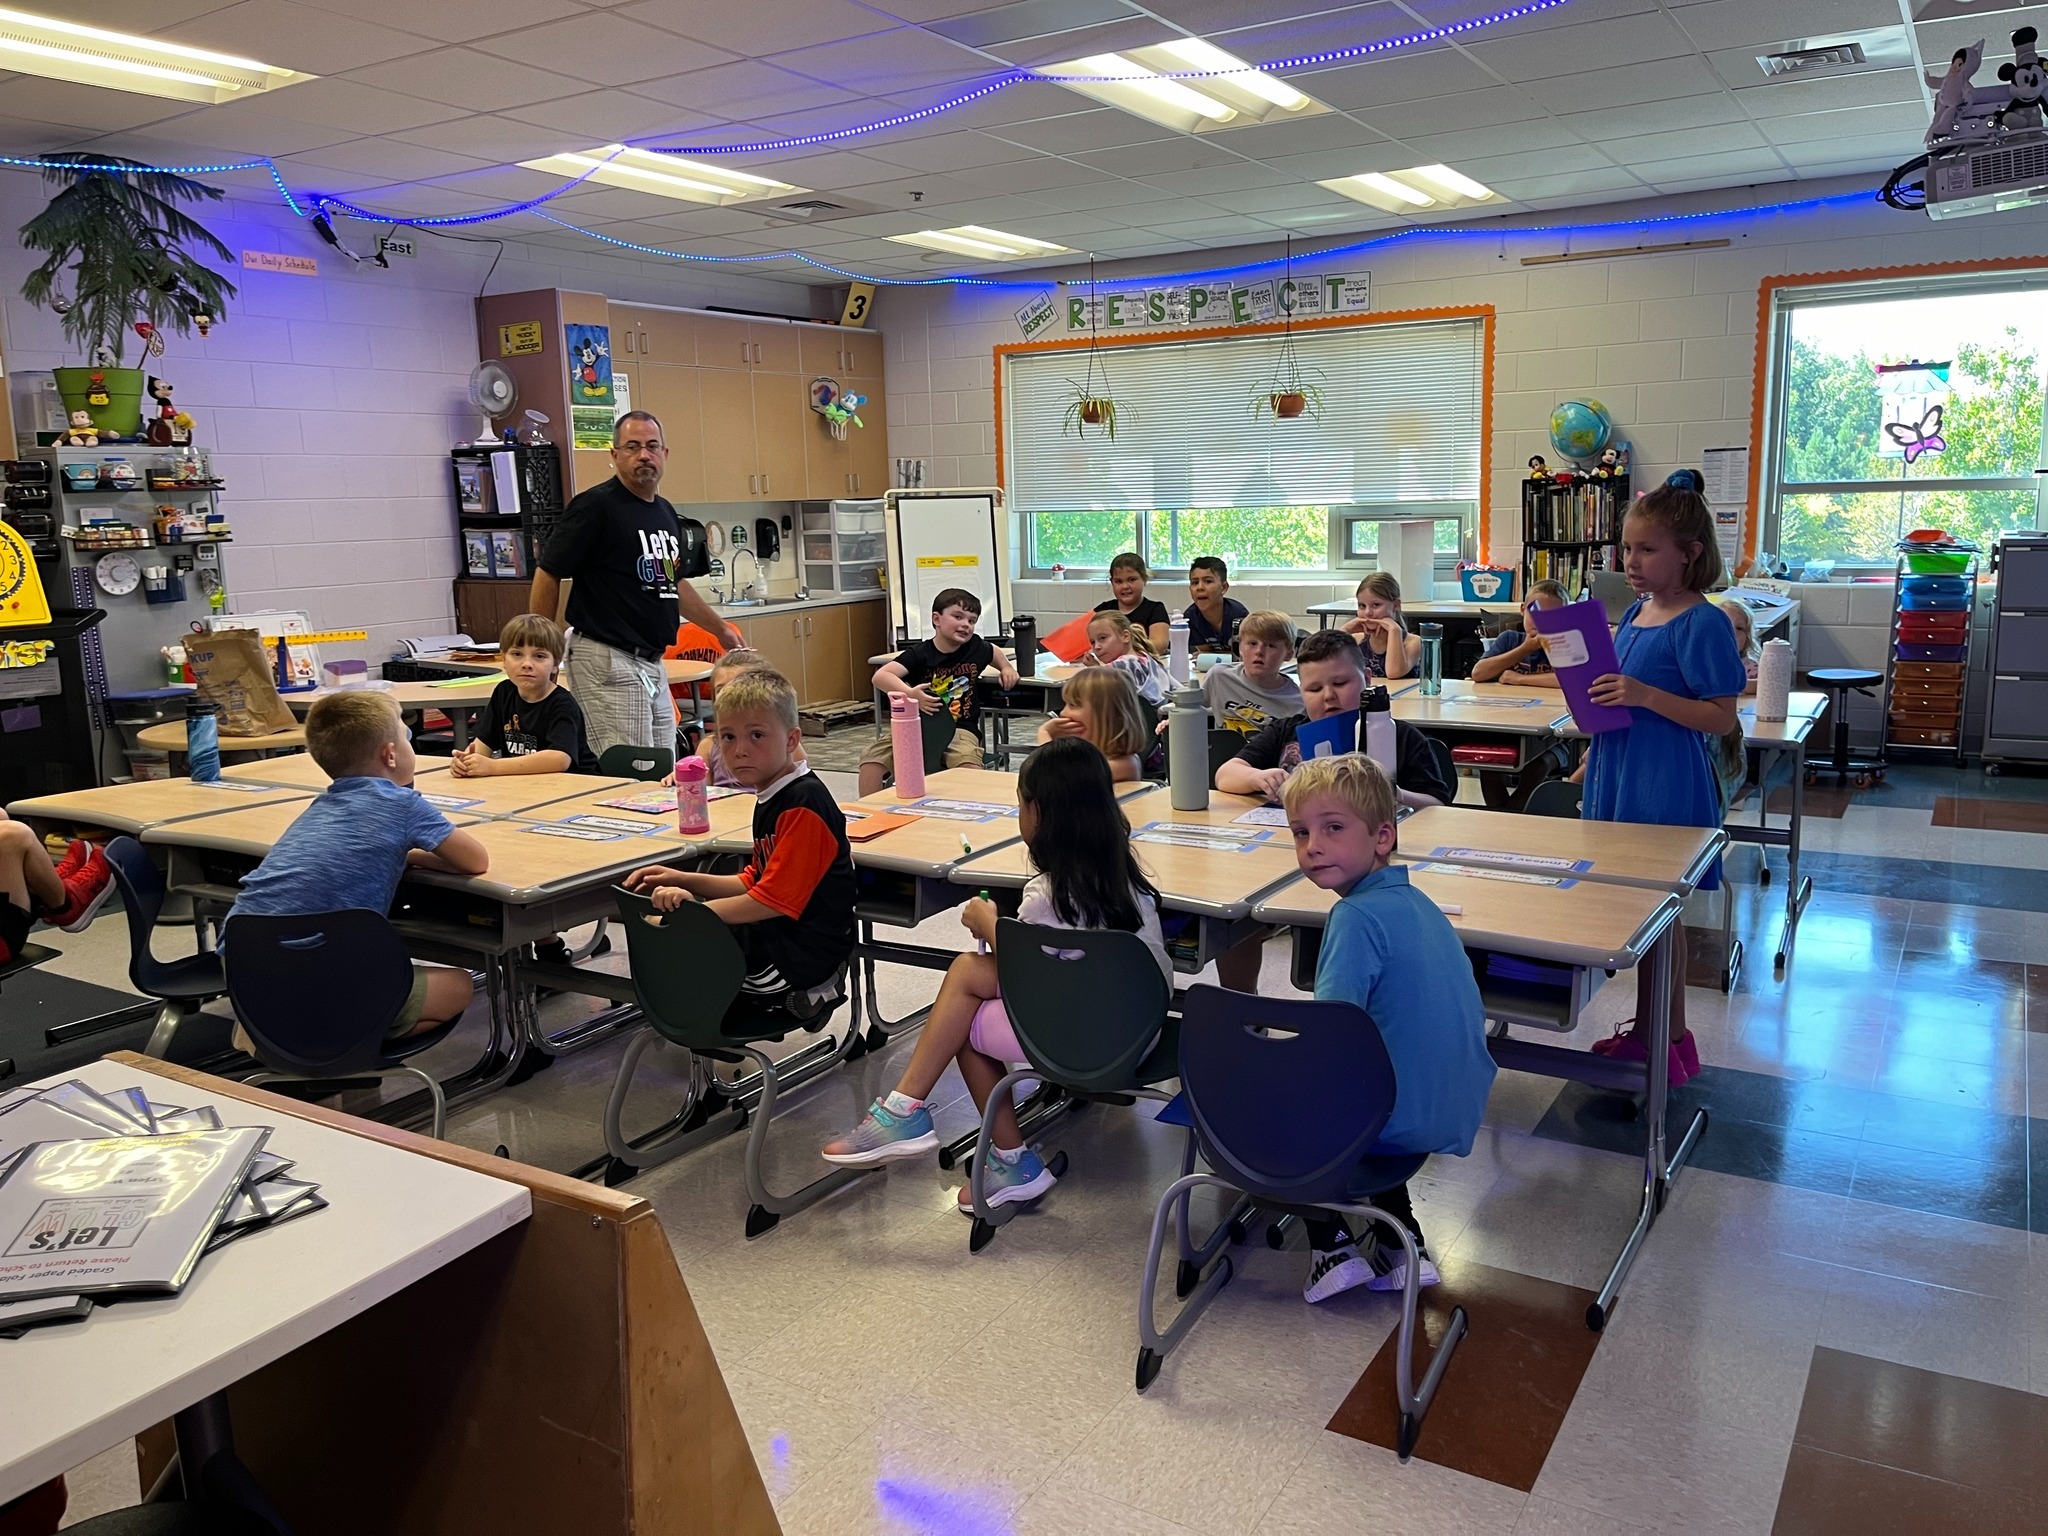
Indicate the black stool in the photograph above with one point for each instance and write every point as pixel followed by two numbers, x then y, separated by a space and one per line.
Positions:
pixel 1838 683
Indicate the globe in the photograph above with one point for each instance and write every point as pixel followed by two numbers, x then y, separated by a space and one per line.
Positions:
pixel 1579 429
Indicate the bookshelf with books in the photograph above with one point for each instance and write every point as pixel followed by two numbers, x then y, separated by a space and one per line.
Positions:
pixel 1571 528
pixel 507 500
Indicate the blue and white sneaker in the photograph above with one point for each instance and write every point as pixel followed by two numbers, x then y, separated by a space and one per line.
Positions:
pixel 883 1137
pixel 1009 1183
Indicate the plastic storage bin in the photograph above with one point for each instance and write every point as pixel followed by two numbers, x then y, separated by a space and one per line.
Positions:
pixel 1934 628
pixel 1928 671
pixel 1938 562
pixel 1953 653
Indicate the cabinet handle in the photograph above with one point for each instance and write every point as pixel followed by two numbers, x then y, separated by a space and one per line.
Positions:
pixel 764 485
pixel 807 626
pixel 750 484
pixel 743 352
pixel 796 629
pixel 757 351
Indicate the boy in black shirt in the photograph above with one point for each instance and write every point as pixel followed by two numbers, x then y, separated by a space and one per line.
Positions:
pixel 1332 673
pixel 791 908
pixel 1214 615
pixel 531 725
pixel 940 673
pixel 1128 574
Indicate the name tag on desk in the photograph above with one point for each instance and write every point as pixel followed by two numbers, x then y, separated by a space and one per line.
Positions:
pixel 1470 872
pixel 612 824
pixel 581 834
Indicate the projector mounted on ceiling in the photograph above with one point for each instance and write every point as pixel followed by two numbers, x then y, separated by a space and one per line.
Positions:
pixel 1986 178
pixel 1987 148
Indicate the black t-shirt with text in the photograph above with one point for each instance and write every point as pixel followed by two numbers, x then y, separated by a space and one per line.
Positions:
pixel 621 552
pixel 951 675
pixel 1415 766
pixel 511 727
pixel 1149 611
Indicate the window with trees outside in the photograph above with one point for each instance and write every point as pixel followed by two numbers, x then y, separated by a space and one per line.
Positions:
pixel 1912 404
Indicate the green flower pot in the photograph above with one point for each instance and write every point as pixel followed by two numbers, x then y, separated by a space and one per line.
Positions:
pixel 122 414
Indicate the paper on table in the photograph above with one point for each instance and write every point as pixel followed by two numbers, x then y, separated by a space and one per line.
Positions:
pixel 1471 872
pixel 955 810
pixel 1179 829
pixel 1534 860
pixel 1582 649
pixel 1214 839
pixel 1263 816
pixel 449 802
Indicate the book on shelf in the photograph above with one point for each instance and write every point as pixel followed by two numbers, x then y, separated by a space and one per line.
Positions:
pixel 506 557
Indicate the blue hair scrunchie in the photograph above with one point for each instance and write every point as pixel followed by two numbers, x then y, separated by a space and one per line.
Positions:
pixel 1687 480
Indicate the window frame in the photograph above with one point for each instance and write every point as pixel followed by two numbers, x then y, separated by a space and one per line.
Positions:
pixel 1785 298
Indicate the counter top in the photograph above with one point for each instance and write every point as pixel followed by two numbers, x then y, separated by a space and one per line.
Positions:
pixel 797 605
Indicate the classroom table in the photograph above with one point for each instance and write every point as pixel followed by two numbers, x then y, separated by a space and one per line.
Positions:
pixel 460 700
pixel 1771 741
pixel 1584 926
pixel 1495 713
pixel 442 1290
pixel 1614 852
pixel 732 816
pixel 509 794
pixel 680 672
pixel 133 807
pixel 393 1218
pixel 298 771
pixel 170 737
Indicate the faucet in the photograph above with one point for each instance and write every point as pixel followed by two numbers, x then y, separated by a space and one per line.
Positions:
pixel 736 592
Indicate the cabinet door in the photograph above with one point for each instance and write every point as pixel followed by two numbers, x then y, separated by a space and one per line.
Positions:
pixel 721 343
pixel 780 638
pixel 822 349
pixel 828 461
pixel 629 332
pixel 782 414
pixel 668 337
pixel 867 634
pixel 772 348
pixel 868 448
pixel 726 409
pixel 673 395
pixel 863 354
pixel 828 664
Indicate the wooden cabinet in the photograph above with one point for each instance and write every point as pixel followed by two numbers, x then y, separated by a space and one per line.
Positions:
pixel 867 634
pixel 828 663
pixel 672 394
pixel 780 638
pixel 484 607
pixel 843 353
pixel 782 417
pixel 773 348
pixel 727 412
pixel 828 462
pixel 822 651
pixel 722 342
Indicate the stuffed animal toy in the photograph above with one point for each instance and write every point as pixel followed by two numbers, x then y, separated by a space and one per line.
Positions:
pixel 1952 90
pixel 1609 465
pixel 83 433
pixel 1539 469
pixel 2026 79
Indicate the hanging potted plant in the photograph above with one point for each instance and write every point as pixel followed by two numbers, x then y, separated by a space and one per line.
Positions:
pixel 1092 404
pixel 1293 390
pixel 117 226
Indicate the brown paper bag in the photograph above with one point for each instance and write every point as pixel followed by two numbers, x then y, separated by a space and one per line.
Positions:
pixel 232 670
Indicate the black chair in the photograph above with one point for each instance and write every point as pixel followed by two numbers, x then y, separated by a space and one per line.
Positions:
pixel 1446 765
pixel 181 987
pixel 687 971
pixel 1223 746
pixel 1555 797
pixel 1089 1007
pixel 629 762
pixel 1242 1055
pixel 1838 683
pixel 318 994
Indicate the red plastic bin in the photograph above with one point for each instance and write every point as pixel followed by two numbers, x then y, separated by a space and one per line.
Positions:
pixel 1934 628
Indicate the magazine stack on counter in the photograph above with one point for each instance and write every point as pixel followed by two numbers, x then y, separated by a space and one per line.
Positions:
pixel 105 1196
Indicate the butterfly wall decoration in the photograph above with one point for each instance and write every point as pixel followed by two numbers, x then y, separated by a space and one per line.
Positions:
pixel 1917 438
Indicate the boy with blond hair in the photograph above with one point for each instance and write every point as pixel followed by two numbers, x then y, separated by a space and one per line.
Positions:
pixel 1388 949
pixel 791 907
pixel 1251 692
pixel 350 847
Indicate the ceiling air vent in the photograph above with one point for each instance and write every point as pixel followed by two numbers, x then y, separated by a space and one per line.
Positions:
pixel 1802 58
pixel 1805 61
pixel 814 210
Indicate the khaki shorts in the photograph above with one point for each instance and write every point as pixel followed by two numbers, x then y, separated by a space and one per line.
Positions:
pixel 963 751
pixel 415 1004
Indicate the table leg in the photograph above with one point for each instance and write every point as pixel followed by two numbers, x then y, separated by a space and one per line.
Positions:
pixel 460 719
pixel 208 1466
pixel 1796 890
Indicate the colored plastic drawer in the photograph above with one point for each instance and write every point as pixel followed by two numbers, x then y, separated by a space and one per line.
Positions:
pixel 1932 586
pixel 1934 602
pixel 1930 652
pixel 1905 738
pixel 1934 628
pixel 1928 670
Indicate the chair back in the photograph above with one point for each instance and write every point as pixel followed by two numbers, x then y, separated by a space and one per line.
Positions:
pixel 318 993
pixel 1223 746
pixel 142 899
pixel 936 730
pixel 1287 1095
pixel 629 762
pixel 1086 1005
pixel 1446 765
pixel 687 969
pixel 1555 797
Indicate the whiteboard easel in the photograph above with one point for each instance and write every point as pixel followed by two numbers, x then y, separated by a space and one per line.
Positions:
pixel 940 539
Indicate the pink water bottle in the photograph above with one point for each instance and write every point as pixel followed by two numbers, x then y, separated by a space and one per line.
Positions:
pixel 693 806
pixel 906 737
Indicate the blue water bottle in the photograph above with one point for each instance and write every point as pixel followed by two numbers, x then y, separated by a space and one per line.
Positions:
pixel 202 741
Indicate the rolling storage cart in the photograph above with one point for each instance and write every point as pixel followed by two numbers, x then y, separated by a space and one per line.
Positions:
pixel 1923 707
pixel 2016 715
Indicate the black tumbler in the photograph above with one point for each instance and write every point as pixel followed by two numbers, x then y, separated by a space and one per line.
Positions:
pixel 1024 637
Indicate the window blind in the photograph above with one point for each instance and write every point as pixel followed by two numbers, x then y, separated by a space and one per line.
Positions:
pixel 1402 406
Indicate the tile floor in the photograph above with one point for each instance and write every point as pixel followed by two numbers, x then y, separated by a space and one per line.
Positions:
pixel 1841 1323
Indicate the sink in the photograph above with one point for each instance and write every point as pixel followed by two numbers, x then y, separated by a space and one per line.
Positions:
pixel 760 602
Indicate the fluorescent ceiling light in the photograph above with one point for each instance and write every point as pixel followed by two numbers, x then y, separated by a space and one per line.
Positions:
pixel 980 241
pixel 1198 54
pixel 1229 94
pixel 83 55
pixel 642 170
pixel 1421 186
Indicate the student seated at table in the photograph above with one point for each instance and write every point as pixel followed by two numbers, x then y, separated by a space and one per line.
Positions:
pixel 732 664
pixel 66 895
pixel 1332 679
pixel 1388 949
pixel 1745 640
pixel 1128 574
pixel 1085 877
pixel 1516 657
pixel 1214 616
pixel 941 672
pixel 1101 707
pixel 1251 692
pixel 791 908
pixel 532 724
pixel 1380 629
pixel 359 836
pixel 1114 641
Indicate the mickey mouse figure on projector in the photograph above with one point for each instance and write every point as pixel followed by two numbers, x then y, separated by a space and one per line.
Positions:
pixel 1965 113
pixel 116 226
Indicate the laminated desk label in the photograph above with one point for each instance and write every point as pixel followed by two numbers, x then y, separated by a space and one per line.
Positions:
pixel 1533 860
pixel 1488 701
pixel 449 802
pixel 613 824
pixel 1469 872
pixel 1181 834
pixel 582 834
pixel 239 787
pixel 955 810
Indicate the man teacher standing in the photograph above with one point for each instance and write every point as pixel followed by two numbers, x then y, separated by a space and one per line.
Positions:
pixel 621 546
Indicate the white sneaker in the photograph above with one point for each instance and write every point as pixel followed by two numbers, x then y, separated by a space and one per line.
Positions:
pixel 1390 1270
pixel 1332 1272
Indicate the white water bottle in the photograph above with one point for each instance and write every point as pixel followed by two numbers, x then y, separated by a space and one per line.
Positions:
pixel 1177 649
pixel 1774 681
pixel 1376 710
pixel 1187 750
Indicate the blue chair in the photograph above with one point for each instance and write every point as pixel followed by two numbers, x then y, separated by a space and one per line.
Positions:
pixel 181 987
pixel 1242 1056
pixel 318 994
pixel 687 973
pixel 1090 1008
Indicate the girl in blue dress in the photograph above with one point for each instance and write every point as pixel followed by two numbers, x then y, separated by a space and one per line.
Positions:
pixel 1680 677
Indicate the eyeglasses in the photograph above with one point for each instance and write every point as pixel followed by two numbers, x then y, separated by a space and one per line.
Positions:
pixel 631 446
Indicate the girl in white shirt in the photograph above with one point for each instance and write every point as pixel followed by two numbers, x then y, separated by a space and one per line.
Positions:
pixel 1114 641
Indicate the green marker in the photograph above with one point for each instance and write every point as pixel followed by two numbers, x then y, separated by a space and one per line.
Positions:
pixel 980 896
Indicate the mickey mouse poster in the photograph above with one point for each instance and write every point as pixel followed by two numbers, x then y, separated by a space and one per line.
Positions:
pixel 590 364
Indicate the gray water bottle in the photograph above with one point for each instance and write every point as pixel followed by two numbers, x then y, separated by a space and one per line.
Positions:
pixel 1432 658
pixel 1187 750
pixel 202 741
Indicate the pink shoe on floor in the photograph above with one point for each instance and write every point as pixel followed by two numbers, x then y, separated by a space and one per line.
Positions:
pixel 1630 1046
pixel 1625 1030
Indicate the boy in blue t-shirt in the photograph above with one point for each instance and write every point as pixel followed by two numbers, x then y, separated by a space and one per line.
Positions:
pixel 1213 616
pixel 350 847
pixel 1341 811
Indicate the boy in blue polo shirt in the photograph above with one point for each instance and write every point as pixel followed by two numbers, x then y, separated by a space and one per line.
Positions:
pixel 1389 950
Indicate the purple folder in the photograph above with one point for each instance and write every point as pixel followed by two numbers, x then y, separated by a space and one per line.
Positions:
pixel 1581 649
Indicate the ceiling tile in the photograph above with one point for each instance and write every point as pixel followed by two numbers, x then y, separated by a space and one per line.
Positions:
pixel 948 152
pixel 1040 175
pixel 1183 153
pixel 1475 143
pixel 243 130
pixel 1753 23
pixel 1639 40
pixel 887 61
pixel 1438 73
pixel 1497 169
pixel 1112 192
pixel 1655 117
pixel 1791 98
pixel 1720 138
pixel 362 109
pixel 607 117
pixel 1039 53
pixel 151 18
pixel 748 87
pixel 388 159
pixel 1874 151
pixel 1940 39
pixel 1598 88
pixel 294 36
pixel 1324 165
pixel 1752 163
pixel 1025 101
pixel 992 25
pixel 1269 200
pixel 1448 114
pixel 1851 123
pixel 761 26
pixel 463 78
pixel 1229 227
pixel 605 50
pixel 1532 188
pixel 451 21
pixel 488 136
pixel 1103 128
pixel 1300 136
pixel 1212 18
pixel 66 104
pixel 1214 179
pixel 1359 27
pixel 1578 13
